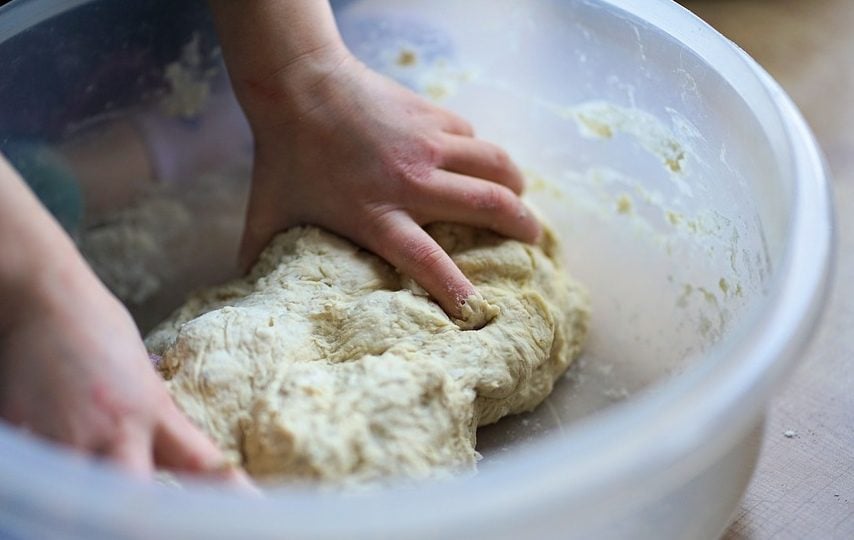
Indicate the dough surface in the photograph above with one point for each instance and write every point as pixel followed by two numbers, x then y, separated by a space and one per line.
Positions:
pixel 325 364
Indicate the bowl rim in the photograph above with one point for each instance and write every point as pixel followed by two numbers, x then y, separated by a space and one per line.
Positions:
pixel 748 365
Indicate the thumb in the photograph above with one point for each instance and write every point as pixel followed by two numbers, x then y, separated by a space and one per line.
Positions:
pixel 131 448
pixel 265 216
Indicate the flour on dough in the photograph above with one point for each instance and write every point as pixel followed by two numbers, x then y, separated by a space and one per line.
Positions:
pixel 325 364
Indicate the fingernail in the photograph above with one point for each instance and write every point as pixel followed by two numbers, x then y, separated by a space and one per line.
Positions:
pixel 241 481
pixel 526 214
pixel 234 476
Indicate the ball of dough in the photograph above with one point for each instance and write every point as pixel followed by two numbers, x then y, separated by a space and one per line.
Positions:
pixel 326 364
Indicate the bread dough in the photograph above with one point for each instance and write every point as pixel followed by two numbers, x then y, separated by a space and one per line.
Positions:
pixel 326 364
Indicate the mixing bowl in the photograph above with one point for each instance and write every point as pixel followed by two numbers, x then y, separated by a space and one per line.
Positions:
pixel 690 195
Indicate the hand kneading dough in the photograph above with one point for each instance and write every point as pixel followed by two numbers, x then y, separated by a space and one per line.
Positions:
pixel 326 364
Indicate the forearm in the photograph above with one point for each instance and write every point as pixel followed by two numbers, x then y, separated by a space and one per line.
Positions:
pixel 34 250
pixel 276 50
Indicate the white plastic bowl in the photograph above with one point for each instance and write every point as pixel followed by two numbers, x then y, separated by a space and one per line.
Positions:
pixel 693 202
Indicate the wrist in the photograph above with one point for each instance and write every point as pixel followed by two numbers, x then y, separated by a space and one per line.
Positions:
pixel 38 277
pixel 283 96
pixel 277 51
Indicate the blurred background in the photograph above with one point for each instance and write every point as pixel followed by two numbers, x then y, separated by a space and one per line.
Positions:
pixel 804 484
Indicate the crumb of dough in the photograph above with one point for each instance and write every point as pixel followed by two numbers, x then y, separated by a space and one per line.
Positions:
pixel 406 58
pixel 126 251
pixel 189 81
pixel 624 204
pixel 436 91
pixel 325 364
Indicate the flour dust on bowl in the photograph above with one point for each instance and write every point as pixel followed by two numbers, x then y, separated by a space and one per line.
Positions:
pixel 689 195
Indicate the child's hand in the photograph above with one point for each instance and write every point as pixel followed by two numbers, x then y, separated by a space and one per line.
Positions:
pixel 73 369
pixel 347 149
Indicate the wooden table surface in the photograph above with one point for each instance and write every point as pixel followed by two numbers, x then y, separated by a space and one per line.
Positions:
pixel 804 484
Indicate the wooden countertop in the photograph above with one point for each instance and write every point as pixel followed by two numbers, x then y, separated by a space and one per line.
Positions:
pixel 804 484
